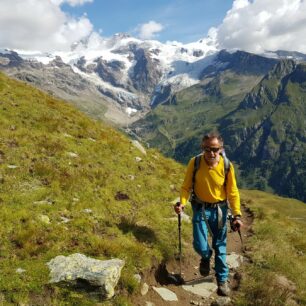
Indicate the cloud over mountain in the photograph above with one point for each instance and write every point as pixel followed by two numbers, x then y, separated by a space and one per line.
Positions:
pixel 260 25
pixel 150 29
pixel 250 25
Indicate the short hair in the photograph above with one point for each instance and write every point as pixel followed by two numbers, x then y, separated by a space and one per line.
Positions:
pixel 213 135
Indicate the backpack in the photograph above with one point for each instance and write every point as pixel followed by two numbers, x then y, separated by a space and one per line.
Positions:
pixel 197 162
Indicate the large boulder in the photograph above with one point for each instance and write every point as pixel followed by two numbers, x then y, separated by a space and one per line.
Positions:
pixel 104 274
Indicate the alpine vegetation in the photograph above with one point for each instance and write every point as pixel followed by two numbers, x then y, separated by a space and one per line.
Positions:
pixel 71 185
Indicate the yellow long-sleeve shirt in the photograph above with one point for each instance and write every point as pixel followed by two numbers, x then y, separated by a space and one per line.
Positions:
pixel 209 184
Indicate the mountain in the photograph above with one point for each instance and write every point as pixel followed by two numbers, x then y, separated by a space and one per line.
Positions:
pixel 118 79
pixel 258 104
pixel 168 95
pixel 177 124
pixel 267 131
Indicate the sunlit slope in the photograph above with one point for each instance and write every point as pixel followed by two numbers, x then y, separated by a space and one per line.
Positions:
pixel 275 274
pixel 70 184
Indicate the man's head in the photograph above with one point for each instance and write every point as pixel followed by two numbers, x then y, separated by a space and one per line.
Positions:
pixel 212 146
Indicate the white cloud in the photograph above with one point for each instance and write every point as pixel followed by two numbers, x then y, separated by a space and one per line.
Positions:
pixel 149 30
pixel 70 2
pixel 260 25
pixel 40 25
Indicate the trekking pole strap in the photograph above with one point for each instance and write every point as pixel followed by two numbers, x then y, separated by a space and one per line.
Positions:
pixel 206 222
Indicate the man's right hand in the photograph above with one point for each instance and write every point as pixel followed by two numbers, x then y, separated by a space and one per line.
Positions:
pixel 178 207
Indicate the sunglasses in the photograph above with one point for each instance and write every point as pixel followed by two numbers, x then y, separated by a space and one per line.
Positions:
pixel 210 149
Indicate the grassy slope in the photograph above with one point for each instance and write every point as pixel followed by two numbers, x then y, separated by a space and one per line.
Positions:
pixel 56 162
pixel 277 247
pixel 38 135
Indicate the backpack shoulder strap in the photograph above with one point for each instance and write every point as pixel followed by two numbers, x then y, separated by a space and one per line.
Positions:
pixel 196 166
pixel 227 165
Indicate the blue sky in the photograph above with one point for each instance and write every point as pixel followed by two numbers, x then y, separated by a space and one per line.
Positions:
pixel 252 25
pixel 182 20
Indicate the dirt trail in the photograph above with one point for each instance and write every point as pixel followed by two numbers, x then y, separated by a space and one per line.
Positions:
pixel 190 263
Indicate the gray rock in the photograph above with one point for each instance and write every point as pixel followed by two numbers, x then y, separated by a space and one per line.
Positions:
pixel 87 210
pixel 234 260
pixel 138 159
pixel 221 301
pixel 20 270
pixel 166 294
pixel 137 277
pixel 204 289
pixel 101 273
pixel 144 289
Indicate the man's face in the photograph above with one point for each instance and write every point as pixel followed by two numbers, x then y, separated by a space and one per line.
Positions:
pixel 212 149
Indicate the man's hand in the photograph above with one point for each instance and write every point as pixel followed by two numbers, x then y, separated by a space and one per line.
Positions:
pixel 237 223
pixel 178 207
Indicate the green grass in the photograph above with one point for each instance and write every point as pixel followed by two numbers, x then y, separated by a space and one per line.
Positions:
pixel 277 248
pixel 55 163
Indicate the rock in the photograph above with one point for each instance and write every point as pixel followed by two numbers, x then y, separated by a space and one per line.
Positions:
pixel 45 219
pixel 104 274
pixel 20 270
pixel 144 289
pixel 43 202
pixel 166 294
pixel 68 135
pixel 234 260
pixel 204 289
pixel 221 301
pixel 150 304
pixel 139 147
pixel 72 154
pixel 137 277
pixel 138 159
pixel 87 210
pixel 64 220
pixel 197 303
pixel 12 166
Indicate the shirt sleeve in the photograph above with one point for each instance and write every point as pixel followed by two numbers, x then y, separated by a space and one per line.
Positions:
pixel 187 184
pixel 233 192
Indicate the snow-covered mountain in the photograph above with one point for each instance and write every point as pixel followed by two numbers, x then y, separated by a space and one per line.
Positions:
pixel 128 74
pixel 121 77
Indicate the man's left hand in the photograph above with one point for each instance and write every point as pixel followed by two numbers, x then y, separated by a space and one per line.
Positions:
pixel 237 223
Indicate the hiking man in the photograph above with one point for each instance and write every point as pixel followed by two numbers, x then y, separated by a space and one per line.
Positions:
pixel 211 185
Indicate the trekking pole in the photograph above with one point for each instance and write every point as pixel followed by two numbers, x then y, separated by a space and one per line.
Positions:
pixel 180 241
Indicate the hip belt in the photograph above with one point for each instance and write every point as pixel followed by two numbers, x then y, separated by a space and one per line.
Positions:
pixel 203 205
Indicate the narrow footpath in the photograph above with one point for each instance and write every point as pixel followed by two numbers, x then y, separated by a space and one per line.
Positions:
pixel 156 290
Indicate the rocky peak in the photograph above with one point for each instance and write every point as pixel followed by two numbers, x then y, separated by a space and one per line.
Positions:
pixel 10 59
pixel 283 68
pixel 145 74
pixel 58 62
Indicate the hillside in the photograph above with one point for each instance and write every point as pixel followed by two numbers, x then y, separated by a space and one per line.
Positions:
pixel 70 184
pixel 262 119
pixel 267 132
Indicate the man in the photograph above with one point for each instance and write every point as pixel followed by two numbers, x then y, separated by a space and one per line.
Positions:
pixel 211 188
